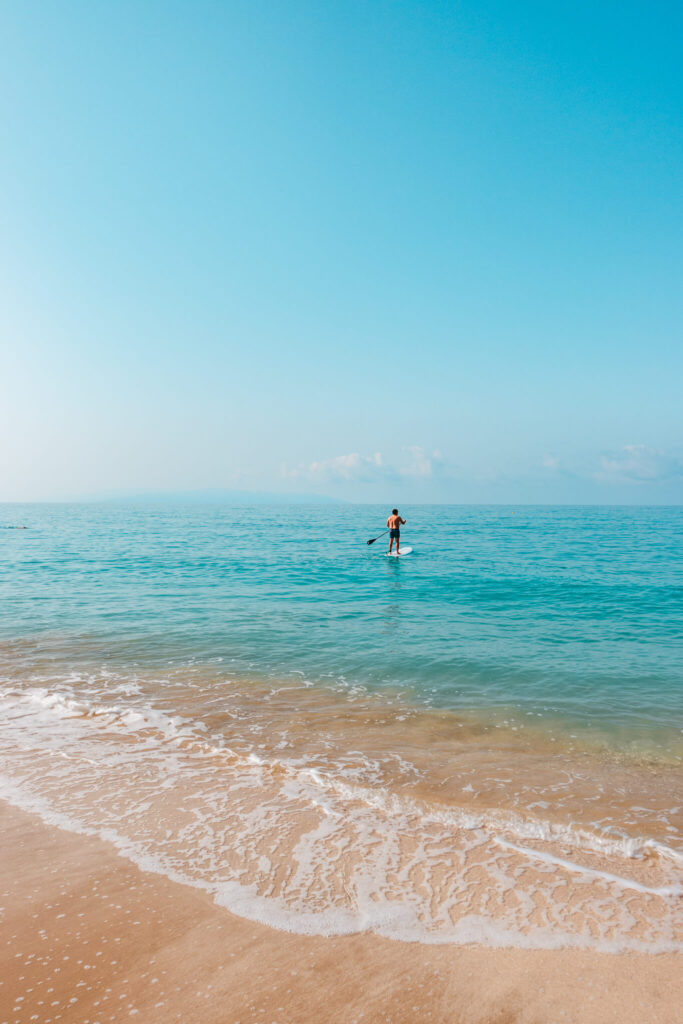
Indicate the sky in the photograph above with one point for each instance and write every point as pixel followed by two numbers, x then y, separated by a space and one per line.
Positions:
pixel 380 251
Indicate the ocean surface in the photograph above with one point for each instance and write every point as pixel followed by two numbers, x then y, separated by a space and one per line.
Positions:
pixel 481 741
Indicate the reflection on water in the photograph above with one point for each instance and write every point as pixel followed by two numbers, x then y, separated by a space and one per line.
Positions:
pixel 392 610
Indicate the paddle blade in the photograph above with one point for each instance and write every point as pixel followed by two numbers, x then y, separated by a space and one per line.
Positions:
pixel 373 540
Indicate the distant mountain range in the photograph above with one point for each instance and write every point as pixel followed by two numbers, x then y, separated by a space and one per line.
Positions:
pixel 217 497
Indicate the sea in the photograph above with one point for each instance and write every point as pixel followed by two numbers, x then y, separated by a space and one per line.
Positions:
pixel 477 742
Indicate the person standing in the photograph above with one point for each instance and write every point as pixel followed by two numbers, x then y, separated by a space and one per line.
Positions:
pixel 394 523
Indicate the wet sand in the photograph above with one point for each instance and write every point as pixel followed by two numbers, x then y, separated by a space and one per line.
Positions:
pixel 88 937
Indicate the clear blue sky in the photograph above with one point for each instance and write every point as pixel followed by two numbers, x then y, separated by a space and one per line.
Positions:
pixel 384 250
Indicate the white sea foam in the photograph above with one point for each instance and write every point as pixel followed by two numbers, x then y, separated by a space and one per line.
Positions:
pixel 326 850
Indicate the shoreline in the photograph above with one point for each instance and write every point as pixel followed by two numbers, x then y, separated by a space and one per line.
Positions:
pixel 316 812
pixel 90 936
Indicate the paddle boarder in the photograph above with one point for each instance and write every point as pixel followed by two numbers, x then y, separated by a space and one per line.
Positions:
pixel 394 523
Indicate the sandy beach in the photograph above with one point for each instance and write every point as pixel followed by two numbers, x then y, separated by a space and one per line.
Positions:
pixel 88 937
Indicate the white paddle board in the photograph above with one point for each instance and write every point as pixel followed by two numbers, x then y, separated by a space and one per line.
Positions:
pixel 403 551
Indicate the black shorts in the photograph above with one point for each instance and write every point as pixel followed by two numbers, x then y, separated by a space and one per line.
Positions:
pixel 395 533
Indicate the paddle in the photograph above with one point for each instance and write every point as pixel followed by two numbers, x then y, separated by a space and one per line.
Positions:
pixel 377 538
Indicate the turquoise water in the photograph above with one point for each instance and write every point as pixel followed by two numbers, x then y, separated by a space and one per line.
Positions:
pixel 571 616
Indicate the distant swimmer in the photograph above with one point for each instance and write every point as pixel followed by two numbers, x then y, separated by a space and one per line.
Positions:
pixel 394 523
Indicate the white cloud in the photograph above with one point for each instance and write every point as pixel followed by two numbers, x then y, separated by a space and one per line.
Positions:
pixel 550 462
pixel 413 463
pixel 348 467
pixel 420 463
pixel 638 462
